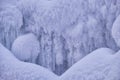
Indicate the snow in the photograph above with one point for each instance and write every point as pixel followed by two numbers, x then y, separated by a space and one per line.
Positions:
pixel 67 30
pixel 4 2
pixel 103 10
pixel 13 69
pixel 83 25
pixel 10 15
pixel 26 48
pixel 116 30
pixel 101 64
pixel 59 58
pixel 115 64
pixel 10 24
pixel 94 66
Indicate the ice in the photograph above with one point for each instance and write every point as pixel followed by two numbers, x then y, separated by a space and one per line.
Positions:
pixel 67 30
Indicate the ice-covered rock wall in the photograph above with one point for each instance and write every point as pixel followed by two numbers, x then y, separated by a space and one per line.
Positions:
pixel 10 24
pixel 67 30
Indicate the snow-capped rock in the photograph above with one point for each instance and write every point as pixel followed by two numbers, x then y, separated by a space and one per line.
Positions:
pixel 13 69
pixel 26 48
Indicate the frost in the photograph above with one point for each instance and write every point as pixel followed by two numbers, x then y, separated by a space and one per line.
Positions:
pixel 10 24
pixel 114 71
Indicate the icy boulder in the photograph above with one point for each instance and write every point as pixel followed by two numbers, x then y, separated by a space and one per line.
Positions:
pixel 95 66
pixel 26 48
pixel 116 30
pixel 13 69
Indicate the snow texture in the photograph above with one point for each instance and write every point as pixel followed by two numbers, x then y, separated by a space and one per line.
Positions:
pixel 13 69
pixel 116 30
pixel 67 30
pixel 26 48
pixel 94 66
pixel 114 71
pixel 10 24
pixel 52 21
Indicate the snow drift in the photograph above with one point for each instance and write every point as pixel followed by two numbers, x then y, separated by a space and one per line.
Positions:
pixel 13 69
pixel 95 66
pixel 115 68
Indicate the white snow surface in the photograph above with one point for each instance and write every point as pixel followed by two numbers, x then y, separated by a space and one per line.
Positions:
pixel 13 69
pixel 26 48
pixel 116 30
pixel 101 64
pixel 95 66
pixel 115 68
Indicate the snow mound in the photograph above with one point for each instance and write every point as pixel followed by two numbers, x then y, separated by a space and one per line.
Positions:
pixel 13 69
pixel 114 73
pixel 116 30
pixel 26 48
pixel 95 66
